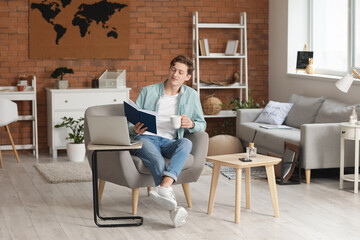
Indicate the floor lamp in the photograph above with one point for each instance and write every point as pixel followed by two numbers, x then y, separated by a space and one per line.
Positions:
pixel 345 82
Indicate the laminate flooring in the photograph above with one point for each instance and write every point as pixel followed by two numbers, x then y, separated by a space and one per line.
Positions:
pixel 31 208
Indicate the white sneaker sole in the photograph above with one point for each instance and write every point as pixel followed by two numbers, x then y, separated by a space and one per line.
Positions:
pixel 180 217
pixel 167 203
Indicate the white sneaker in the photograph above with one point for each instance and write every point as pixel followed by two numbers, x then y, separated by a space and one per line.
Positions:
pixel 178 216
pixel 164 196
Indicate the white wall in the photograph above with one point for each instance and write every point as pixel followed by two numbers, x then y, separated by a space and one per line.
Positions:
pixel 282 85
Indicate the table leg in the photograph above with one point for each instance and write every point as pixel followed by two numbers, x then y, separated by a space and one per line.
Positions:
pixel 341 184
pixel 238 194
pixel 214 182
pixel 96 203
pixel 248 187
pixel 270 173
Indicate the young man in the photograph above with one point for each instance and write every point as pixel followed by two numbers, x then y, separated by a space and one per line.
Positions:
pixel 169 98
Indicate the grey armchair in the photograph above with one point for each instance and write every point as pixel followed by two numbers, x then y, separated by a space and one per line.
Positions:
pixel 129 171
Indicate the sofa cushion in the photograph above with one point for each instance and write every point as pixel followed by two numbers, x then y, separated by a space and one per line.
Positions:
pixel 332 111
pixel 273 139
pixel 274 113
pixel 303 111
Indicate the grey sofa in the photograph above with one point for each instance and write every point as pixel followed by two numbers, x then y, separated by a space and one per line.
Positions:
pixel 314 126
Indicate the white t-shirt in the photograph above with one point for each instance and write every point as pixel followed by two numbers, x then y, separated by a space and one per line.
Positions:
pixel 168 106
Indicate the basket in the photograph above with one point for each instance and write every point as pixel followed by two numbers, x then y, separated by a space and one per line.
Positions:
pixel 113 79
pixel 211 105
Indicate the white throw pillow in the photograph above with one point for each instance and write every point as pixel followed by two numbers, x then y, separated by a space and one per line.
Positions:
pixel 274 113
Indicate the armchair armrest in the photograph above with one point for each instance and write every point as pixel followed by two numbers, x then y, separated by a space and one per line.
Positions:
pixel 320 145
pixel 199 150
pixel 200 142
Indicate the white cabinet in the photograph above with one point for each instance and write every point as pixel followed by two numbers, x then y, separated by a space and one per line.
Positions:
pixel 241 55
pixel 73 103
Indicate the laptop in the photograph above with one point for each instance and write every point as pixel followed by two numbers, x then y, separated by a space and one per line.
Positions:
pixel 109 130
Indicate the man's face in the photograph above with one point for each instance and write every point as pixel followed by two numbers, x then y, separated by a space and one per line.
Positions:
pixel 178 74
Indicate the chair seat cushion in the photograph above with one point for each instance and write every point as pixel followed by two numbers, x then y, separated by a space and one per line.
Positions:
pixel 140 166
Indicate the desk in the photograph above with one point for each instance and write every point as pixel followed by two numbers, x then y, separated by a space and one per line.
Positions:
pixel 96 149
pixel 232 160
pixel 350 132
pixel 28 95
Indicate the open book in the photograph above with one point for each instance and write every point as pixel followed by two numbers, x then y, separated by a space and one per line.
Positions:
pixel 135 115
pixel 275 126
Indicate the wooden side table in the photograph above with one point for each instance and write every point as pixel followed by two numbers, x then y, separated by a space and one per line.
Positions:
pixel 232 160
pixel 100 148
pixel 350 132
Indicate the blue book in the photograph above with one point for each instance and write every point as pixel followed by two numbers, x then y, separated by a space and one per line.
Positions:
pixel 135 115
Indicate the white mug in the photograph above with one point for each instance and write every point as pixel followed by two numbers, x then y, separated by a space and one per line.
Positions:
pixel 175 121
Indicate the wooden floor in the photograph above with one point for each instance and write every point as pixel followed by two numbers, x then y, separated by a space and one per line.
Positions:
pixel 31 208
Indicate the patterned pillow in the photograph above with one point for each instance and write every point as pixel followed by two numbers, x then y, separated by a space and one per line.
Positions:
pixel 274 113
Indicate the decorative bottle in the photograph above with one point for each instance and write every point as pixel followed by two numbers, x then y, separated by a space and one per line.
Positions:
pixel 353 116
pixel 251 150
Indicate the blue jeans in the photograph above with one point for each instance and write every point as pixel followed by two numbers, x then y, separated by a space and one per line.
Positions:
pixel 155 148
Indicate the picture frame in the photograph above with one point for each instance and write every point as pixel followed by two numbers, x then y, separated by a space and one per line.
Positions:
pixel 302 59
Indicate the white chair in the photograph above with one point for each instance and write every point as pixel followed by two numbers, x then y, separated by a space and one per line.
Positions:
pixel 8 114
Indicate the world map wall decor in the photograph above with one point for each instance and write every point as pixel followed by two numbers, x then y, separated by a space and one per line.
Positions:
pixel 79 28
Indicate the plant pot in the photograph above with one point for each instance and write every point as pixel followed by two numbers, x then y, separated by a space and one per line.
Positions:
pixel 76 152
pixel 61 84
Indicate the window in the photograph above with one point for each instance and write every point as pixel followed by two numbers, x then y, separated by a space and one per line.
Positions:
pixel 357 33
pixel 331 28
pixel 329 35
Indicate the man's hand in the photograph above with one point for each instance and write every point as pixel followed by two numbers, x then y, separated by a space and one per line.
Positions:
pixel 139 128
pixel 186 122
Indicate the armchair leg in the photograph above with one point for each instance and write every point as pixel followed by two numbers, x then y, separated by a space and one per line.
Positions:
pixel 12 143
pixel 101 189
pixel 307 175
pixel 135 200
pixel 186 188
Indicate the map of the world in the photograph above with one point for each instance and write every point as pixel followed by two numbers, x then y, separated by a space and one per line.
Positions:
pixel 82 18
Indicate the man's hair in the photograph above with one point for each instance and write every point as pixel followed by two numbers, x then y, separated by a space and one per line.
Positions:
pixel 185 60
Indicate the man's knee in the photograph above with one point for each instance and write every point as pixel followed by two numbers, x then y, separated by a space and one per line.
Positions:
pixel 185 143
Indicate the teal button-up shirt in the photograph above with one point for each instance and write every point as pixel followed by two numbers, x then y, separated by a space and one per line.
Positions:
pixel 188 104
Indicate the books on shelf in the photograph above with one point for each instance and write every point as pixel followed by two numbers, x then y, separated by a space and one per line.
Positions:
pixel 275 127
pixel 231 47
pixel 135 115
pixel 204 47
pixel 207 50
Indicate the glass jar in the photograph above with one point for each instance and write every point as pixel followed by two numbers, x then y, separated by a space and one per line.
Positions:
pixel 251 151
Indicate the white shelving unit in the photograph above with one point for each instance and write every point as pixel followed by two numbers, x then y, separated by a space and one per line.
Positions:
pixel 29 94
pixel 242 85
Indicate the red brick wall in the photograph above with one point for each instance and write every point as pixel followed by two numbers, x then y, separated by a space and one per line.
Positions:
pixel 159 30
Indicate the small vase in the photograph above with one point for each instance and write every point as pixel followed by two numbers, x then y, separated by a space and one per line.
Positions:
pixel 353 116
pixel 310 68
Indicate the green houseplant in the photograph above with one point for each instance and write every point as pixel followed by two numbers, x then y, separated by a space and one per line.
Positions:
pixel 60 72
pixel 75 148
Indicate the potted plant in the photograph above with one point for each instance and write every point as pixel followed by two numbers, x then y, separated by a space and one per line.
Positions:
pixel 76 148
pixel 60 72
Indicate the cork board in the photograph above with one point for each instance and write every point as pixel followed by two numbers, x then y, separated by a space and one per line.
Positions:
pixel 79 28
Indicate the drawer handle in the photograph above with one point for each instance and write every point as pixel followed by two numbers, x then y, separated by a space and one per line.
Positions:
pixel 66 101
pixel 343 132
pixel 115 100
